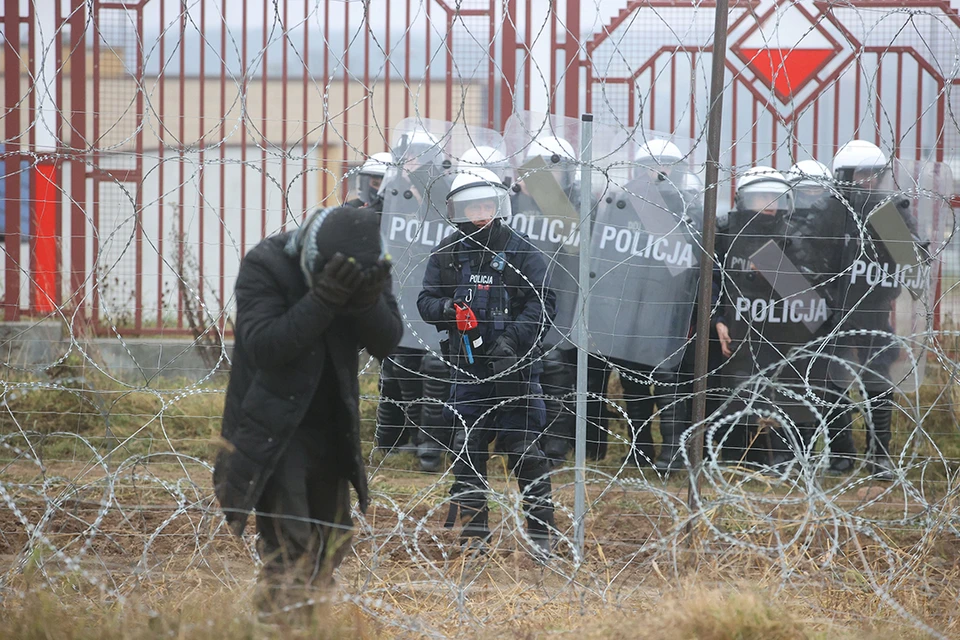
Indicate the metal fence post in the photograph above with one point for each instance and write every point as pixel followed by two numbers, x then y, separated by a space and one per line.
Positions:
pixel 695 447
pixel 586 157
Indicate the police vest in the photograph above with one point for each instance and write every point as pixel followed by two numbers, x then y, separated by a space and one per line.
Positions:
pixel 484 286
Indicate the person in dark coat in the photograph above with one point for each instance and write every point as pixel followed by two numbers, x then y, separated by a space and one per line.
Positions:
pixel 501 278
pixel 307 302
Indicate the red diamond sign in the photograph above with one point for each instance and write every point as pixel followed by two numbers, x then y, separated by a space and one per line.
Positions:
pixel 789 51
pixel 786 71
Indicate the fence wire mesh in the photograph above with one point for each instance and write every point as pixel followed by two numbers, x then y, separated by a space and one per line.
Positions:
pixel 148 147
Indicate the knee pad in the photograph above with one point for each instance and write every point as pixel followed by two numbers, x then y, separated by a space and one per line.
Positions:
pixel 436 378
pixel 408 375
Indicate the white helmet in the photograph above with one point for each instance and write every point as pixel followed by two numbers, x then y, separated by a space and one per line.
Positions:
pixel 370 176
pixel 860 164
pixel 659 156
pixel 418 146
pixel 376 165
pixel 857 154
pixel 484 156
pixel 474 185
pixel 810 171
pixel 660 152
pixel 811 182
pixel 764 189
pixel 549 146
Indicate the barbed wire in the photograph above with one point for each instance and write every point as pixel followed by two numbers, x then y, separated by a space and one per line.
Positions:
pixel 110 421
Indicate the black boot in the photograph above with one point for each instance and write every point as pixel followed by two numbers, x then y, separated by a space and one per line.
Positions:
pixel 878 438
pixel 674 420
pixel 531 469
pixel 843 450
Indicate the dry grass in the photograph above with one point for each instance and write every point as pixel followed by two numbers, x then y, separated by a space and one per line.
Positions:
pixel 194 582
pixel 690 613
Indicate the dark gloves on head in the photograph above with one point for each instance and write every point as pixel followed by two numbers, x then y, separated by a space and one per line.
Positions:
pixel 337 281
pixel 374 281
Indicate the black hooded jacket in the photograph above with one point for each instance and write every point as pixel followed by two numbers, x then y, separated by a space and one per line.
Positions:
pixel 285 337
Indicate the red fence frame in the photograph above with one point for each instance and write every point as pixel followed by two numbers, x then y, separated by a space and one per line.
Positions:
pixel 81 159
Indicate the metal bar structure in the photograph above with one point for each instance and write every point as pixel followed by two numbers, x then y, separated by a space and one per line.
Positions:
pixel 581 332
pixel 78 169
pixel 12 133
pixel 92 170
pixel 714 124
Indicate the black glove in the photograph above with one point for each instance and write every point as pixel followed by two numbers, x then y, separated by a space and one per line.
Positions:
pixel 374 280
pixel 449 310
pixel 338 281
pixel 504 347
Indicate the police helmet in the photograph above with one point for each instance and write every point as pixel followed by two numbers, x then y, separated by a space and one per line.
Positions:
pixel 477 195
pixel 488 157
pixel 370 176
pixel 559 155
pixel 764 190
pixel 418 147
pixel 550 146
pixel 811 182
pixel 860 163
pixel 657 155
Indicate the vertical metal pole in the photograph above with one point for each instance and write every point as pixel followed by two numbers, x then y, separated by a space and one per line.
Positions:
pixel 11 163
pixel 706 260
pixel 580 454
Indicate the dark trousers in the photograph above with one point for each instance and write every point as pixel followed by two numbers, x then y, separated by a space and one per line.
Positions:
pixel 645 390
pixel 303 518
pixel 398 412
pixel 516 428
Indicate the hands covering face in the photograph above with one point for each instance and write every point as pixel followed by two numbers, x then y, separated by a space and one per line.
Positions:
pixel 343 283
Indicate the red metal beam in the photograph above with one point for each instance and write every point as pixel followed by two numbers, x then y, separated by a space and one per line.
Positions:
pixel 571 47
pixel 12 133
pixel 78 143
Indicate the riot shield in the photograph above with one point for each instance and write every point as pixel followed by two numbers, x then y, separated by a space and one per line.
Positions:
pixel 546 210
pixel 779 282
pixel 414 208
pixel 644 274
pixel 893 240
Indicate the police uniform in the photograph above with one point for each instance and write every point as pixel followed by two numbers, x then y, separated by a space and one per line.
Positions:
pixel 503 278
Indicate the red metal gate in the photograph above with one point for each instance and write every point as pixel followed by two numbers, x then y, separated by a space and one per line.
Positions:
pixel 197 128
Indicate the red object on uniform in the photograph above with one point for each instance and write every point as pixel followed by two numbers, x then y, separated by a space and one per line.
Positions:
pixel 466 318
pixel 46 194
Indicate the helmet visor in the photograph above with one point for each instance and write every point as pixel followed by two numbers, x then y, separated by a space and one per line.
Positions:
pixel 479 204
pixel 807 194
pixel 368 185
pixel 766 198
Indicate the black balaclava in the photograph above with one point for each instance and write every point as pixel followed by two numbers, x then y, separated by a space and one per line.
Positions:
pixel 352 231
pixel 480 238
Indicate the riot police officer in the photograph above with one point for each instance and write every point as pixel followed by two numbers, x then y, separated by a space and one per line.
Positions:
pixel 412 382
pixel 487 287
pixel 397 413
pixel 438 433
pixel 763 207
pixel 863 176
pixel 538 203
pixel 819 231
pixel 368 181
pixel 644 287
